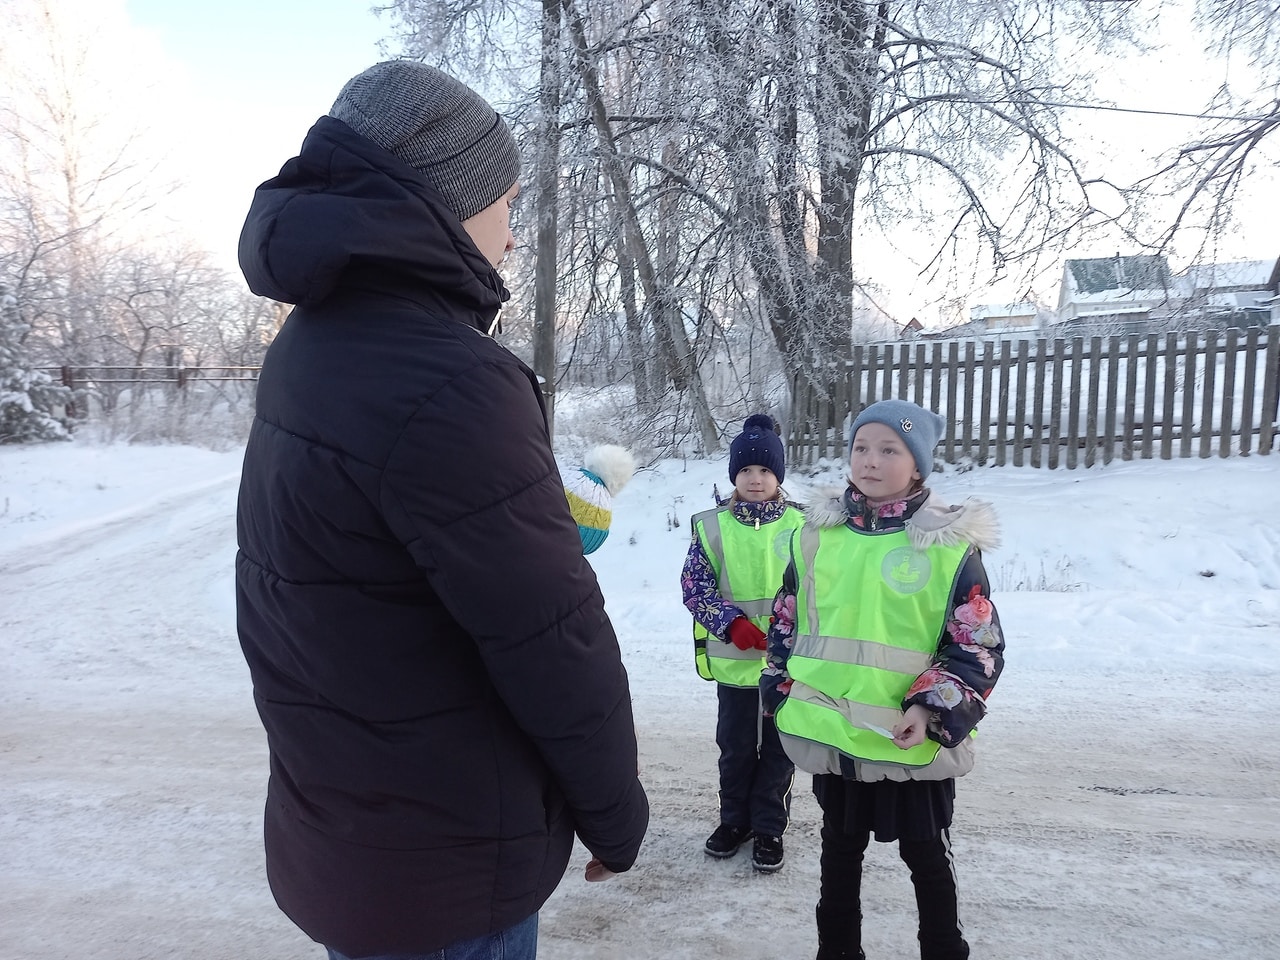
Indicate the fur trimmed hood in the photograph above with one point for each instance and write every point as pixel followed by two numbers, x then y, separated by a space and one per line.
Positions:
pixel 934 524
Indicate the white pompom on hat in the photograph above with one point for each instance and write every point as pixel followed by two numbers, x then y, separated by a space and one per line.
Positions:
pixel 606 469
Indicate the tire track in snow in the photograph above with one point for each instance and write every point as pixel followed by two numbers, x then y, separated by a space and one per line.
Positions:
pixel 56 546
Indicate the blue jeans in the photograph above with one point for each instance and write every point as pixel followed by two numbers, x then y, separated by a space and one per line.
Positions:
pixel 519 942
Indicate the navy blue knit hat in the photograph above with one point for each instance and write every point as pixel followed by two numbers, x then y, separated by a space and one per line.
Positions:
pixel 920 429
pixel 757 445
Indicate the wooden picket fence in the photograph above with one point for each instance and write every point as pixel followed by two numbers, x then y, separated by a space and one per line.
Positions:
pixel 97 386
pixel 98 374
pixel 1059 401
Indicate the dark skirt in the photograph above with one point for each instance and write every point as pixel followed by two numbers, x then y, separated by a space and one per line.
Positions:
pixel 887 809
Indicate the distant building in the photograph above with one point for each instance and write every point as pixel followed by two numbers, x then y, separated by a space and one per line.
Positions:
pixel 1121 293
pixel 911 330
pixel 1239 294
pixel 1002 317
pixel 998 321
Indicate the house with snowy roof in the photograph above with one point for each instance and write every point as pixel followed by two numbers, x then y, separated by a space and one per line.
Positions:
pixel 1120 294
pixel 1018 316
pixel 1237 294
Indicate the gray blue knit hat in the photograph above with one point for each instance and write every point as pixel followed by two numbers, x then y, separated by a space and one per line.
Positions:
pixel 920 429
pixel 437 125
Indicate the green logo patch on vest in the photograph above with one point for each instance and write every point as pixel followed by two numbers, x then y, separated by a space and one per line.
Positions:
pixel 906 570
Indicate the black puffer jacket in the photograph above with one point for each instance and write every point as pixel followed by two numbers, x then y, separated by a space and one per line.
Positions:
pixel 442 691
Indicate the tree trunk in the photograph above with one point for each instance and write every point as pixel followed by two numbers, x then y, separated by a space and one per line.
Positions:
pixel 778 258
pixel 658 295
pixel 544 276
pixel 646 392
pixel 842 114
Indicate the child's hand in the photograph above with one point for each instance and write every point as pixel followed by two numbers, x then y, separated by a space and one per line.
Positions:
pixel 745 635
pixel 597 871
pixel 910 731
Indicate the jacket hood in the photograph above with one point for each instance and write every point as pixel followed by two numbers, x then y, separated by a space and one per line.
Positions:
pixel 345 212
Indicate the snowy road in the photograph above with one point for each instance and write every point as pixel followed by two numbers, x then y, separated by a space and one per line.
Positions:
pixel 1126 801
pixel 1088 830
pixel 132 758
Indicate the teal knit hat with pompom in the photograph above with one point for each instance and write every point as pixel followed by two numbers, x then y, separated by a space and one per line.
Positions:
pixel 590 491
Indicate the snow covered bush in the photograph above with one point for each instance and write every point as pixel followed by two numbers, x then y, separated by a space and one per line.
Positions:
pixel 28 398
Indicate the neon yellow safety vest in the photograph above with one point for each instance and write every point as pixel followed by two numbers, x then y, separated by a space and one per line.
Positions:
pixel 757 559
pixel 870 612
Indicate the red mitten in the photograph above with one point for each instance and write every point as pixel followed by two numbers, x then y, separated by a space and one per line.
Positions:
pixel 745 635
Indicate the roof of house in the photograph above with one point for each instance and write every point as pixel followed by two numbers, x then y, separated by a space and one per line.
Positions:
pixel 1119 273
pixel 1238 300
pixel 1104 309
pixel 991 311
pixel 1244 273
pixel 956 331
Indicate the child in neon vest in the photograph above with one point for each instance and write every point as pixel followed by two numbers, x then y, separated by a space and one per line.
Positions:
pixel 730 576
pixel 879 712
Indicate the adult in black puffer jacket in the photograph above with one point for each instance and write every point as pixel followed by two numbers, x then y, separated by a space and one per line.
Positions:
pixel 443 694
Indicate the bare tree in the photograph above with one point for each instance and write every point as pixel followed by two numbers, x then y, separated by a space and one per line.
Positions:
pixel 841 120
pixel 574 262
pixel 1205 175
pixel 666 319
pixel 730 162
pixel 547 198
pixel 88 284
pixel 72 179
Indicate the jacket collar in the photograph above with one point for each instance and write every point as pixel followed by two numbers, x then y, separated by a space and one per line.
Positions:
pixel 927 519
pixel 766 512
pixel 893 515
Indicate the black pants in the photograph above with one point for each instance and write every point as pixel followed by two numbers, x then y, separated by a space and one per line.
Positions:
pixel 755 772
pixel 839 909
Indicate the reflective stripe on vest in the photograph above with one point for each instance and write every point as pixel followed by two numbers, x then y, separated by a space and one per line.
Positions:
pixel 870 612
pixel 759 558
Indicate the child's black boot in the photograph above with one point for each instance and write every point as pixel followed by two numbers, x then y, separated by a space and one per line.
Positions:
pixel 839 933
pixel 766 854
pixel 726 840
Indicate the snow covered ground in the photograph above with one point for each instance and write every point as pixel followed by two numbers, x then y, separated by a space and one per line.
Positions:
pixel 1126 801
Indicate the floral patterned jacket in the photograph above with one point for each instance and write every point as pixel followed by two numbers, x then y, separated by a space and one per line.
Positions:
pixel 970 656
pixel 698 579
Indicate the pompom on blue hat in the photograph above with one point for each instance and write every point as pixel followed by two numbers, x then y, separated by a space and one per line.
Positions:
pixel 920 429
pixel 758 445
pixel 605 470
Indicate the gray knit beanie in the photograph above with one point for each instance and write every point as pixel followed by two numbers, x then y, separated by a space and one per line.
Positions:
pixel 920 429
pixel 437 125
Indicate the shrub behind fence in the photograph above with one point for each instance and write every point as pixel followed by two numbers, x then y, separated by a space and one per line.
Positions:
pixel 205 405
